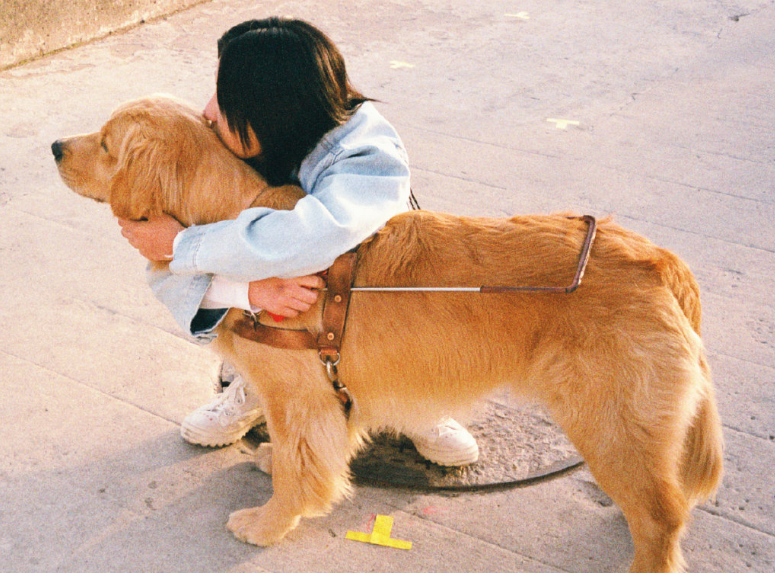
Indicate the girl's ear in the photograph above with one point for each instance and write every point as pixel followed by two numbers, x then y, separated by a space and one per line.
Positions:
pixel 137 186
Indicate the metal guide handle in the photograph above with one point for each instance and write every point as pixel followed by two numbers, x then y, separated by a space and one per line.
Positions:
pixel 582 266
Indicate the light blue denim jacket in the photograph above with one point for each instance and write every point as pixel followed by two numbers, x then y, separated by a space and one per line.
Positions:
pixel 356 178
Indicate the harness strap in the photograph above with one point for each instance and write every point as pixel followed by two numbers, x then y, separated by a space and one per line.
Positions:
pixel 329 341
pixel 339 284
pixel 247 326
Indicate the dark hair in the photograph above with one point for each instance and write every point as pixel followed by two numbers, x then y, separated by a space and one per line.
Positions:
pixel 287 81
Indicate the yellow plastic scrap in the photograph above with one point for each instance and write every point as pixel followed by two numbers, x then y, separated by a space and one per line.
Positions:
pixel 380 534
pixel 562 123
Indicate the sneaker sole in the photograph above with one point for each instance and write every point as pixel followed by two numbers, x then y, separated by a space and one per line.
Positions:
pixel 198 437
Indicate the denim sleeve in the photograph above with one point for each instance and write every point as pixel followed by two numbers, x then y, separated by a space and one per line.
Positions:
pixel 182 295
pixel 349 197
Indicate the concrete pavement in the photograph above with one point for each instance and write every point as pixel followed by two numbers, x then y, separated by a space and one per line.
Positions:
pixel 661 113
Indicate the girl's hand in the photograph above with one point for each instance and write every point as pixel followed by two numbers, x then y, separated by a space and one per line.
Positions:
pixel 154 237
pixel 285 297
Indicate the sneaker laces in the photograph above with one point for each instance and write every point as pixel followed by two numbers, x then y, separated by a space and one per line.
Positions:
pixel 228 401
pixel 444 427
pixel 448 425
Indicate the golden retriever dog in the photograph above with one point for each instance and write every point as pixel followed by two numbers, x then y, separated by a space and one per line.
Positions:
pixel 619 362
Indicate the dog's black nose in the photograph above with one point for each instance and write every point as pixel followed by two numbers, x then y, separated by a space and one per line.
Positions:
pixel 57 149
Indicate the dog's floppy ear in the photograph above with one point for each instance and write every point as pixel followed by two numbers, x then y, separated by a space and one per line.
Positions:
pixel 136 189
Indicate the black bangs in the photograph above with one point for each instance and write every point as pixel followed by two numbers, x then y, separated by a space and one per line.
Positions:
pixel 285 80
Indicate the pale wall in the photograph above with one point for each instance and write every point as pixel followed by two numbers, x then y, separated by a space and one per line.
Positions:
pixel 31 28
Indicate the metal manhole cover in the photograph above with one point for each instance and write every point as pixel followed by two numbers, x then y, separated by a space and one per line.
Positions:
pixel 516 445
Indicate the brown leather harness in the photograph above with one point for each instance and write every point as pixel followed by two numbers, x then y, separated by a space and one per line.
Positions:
pixel 339 287
pixel 329 341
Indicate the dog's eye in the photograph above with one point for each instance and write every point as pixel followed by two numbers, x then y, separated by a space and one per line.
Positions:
pixel 104 146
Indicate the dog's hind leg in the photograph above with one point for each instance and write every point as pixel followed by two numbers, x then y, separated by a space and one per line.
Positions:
pixel 311 449
pixel 632 438
pixel 644 483
pixel 673 478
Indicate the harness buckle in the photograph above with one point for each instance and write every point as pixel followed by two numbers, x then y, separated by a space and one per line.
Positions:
pixel 330 359
pixel 330 365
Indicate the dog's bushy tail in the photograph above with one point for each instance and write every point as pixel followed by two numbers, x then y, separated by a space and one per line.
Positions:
pixel 703 458
pixel 680 280
pixel 702 465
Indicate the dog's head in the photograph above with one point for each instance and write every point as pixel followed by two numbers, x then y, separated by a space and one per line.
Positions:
pixel 158 155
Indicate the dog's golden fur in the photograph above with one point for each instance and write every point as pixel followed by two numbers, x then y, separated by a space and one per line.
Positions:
pixel 619 363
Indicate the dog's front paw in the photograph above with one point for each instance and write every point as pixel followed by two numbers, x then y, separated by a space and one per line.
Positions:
pixel 261 525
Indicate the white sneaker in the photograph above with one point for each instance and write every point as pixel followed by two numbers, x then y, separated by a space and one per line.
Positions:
pixel 226 419
pixel 447 444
